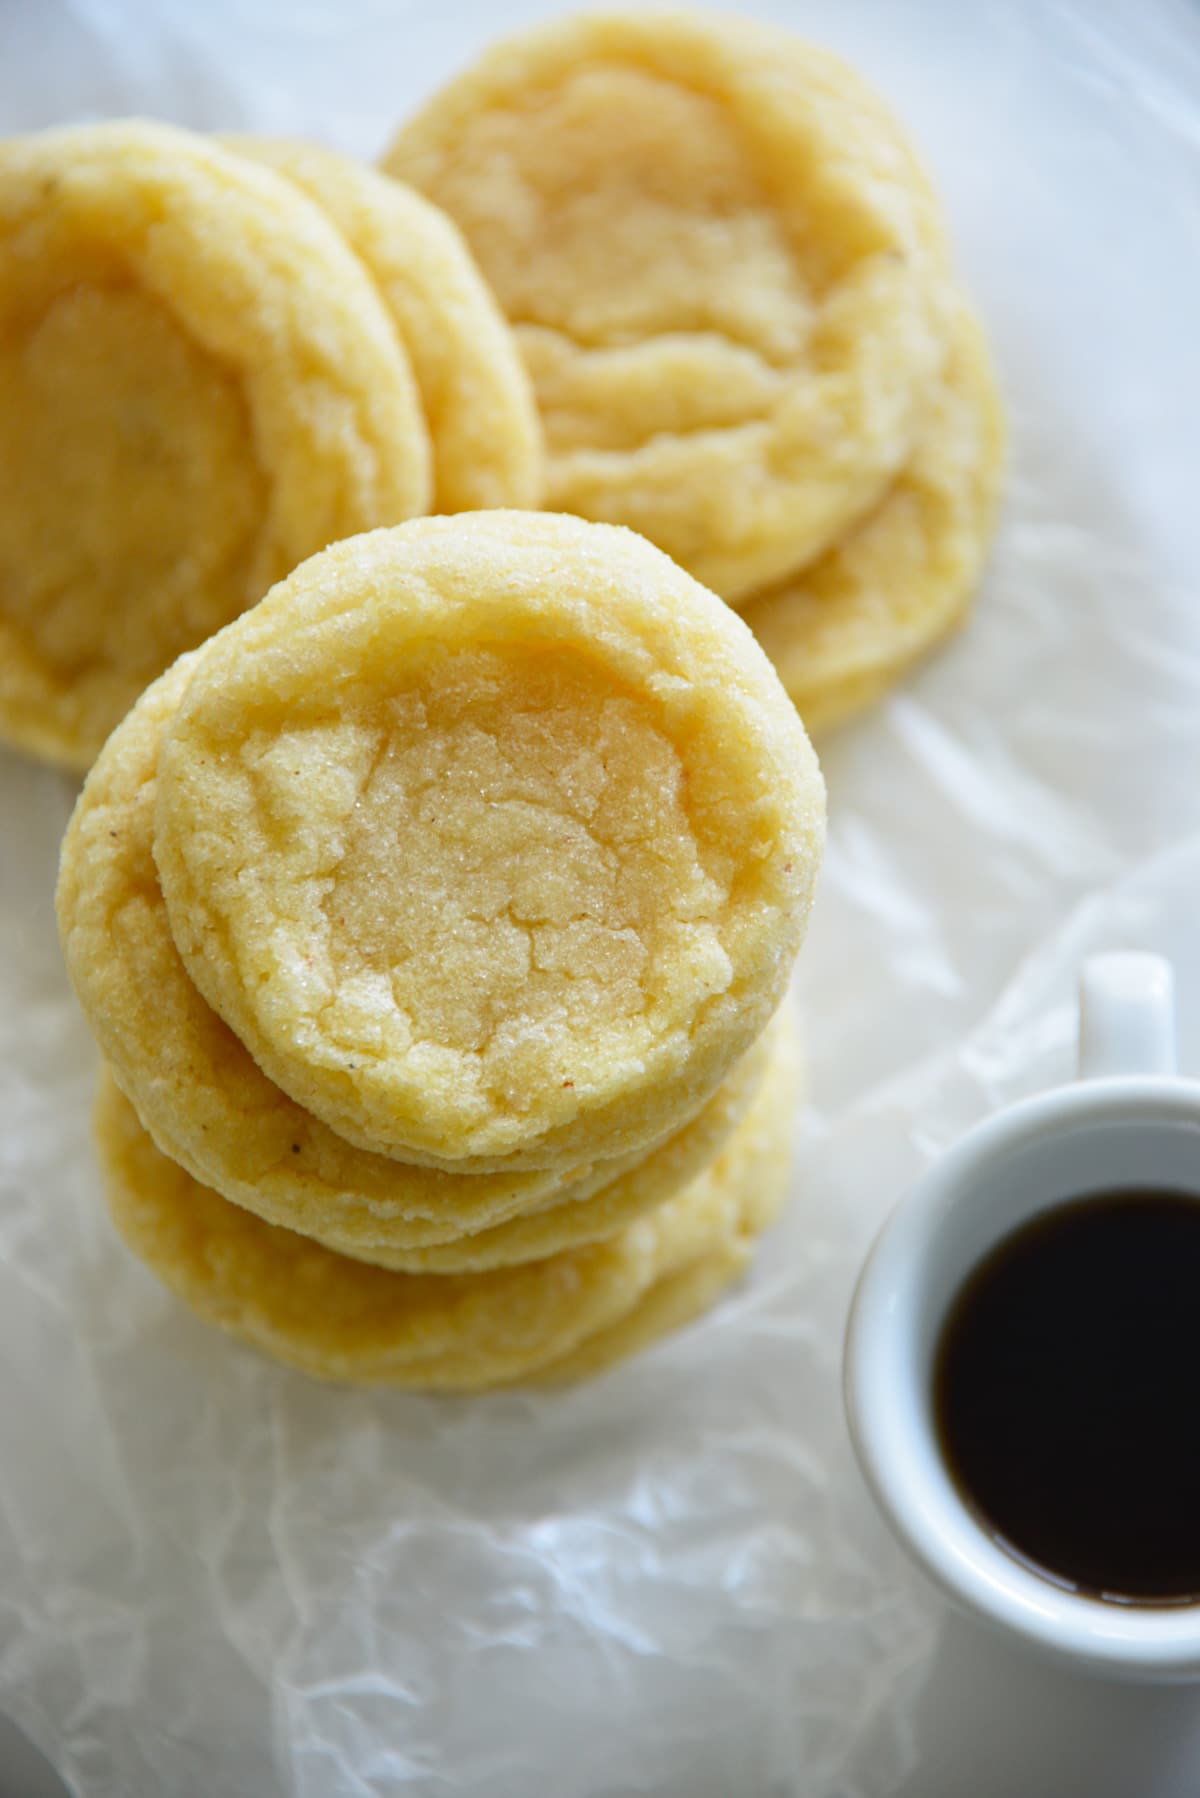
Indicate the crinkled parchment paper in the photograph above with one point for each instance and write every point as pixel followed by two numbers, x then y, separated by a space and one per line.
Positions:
pixel 218 1578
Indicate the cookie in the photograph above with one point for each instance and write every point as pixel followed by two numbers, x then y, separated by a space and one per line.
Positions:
pixel 492 837
pixel 842 632
pixel 687 1284
pixel 208 1106
pixel 571 1219
pixel 673 1300
pixel 476 396
pixel 199 386
pixel 341 1319
pixel 708 238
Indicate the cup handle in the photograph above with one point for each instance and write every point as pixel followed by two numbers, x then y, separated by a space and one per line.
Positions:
pixel 1126 1016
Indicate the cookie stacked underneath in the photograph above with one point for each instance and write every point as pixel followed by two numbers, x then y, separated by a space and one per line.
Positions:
pixel 432 919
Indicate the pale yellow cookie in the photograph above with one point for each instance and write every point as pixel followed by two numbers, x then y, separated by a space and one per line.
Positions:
pixel 579 1216
pixel 477 399
pixel 208 1105
pixel 704 1237
pixel 709 239
pixel 673 1300
pixel 341 1319
pixel 199 386
pixel 492 837
pixel 845 630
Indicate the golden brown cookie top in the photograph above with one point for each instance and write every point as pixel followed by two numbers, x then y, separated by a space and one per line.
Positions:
pixel 492 837
pixel 199 386
pixel 714 248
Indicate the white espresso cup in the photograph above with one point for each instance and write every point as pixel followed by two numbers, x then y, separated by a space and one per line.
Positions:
pixel 1127 1121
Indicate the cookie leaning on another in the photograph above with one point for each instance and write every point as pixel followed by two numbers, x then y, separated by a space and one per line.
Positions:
pixel 714 249
pixel 199 386
pixel 475 394
pixel 732 282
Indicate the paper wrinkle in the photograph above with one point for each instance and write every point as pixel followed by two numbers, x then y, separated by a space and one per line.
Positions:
pixel 218 1577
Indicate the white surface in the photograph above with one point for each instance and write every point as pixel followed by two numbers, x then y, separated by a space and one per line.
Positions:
pixel 217 1578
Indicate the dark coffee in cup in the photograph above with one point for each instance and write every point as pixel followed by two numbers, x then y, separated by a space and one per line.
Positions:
pixel 1067 1395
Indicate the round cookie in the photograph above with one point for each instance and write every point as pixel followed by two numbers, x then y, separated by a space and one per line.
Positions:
pixel 209 1107
pixel 477 399
pixel 339 1318
pixel 709 240
pixel 492 837
pixel 843 631
pixel 199 387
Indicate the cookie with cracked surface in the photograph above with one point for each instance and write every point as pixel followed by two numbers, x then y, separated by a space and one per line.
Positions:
pixel 492 837
pixel 711 243
pixel 199 387
pixel 476 395
pixel 209 1106
pixel 845 630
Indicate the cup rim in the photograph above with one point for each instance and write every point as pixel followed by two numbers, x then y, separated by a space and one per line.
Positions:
pixel 928 1514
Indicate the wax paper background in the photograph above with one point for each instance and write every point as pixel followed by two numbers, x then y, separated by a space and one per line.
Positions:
pixel 218 1578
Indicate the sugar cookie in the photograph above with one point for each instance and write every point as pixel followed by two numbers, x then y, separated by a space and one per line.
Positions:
pixel 709 1225
pixel 686 1285
pixel 710 241
pixel 209 1107
pixel 477 399
pixel 673 1300
pixel 568 1221
pixel 341 1319
pixel 843 631
pixel 199 387
pixel 492 837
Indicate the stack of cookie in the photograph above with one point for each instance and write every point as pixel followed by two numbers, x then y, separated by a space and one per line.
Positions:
pixel 431 914
pixel 730 283
pixel 432 919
